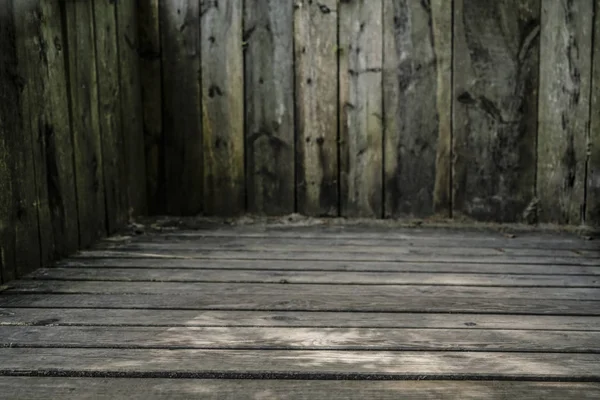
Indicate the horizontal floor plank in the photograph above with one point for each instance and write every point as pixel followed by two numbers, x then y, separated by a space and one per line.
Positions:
pixel 38 388
pixel 297 363
pixel 299 302
pixel 182 318
pixel 296 338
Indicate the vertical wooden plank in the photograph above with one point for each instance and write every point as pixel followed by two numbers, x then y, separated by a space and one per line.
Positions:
pixel 269 93
pixel 417 103
pixel 316 60
pixel 151 89
pixel 180 32
pixel 132 129
pixel 109 103
pixel 593 172
pixel 223 107
pixel 565 73
pixel 85 121
pixel 496 53
pixel 360 106
pixel 9 100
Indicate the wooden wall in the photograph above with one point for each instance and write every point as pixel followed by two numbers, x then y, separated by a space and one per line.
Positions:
pixel 72 161
pixel 373 108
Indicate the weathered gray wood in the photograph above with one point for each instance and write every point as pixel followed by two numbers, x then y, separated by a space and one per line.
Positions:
pixel 565 72
pixel 85 121
pixel 496 53
pixel 294 277
pixel 109 103
pixel 593 143
pixel 309 292
pixel 269 95
pixel 360 108
pixel 316 66
pixel 229 363
pixel 183 318
pixel 150 75
pixel 132 129
pixel 321 301
pixel 38 388
pixel 223 107
pixel 298 338
pixel 417 103
pixel 181 104
pixel 320 265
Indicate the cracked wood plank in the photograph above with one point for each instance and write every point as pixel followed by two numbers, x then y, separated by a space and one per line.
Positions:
pixel 496 57
pixel 269 94
pixel 361 108
pixel 565 72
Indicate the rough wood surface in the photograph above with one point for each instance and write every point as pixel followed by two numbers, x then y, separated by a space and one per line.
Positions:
pixel 416 76
pixel 181 105
pixel 132 124
pixel 278 363
pixel 593 143
pixel 38 388
pixel 566 40
pixel 360 108
pixel 223 107
pixel 496 53
pixel 183 318
pixel 149 51
pixel 269 94
pixel 85 121
pixel 316 66
pixel 109 106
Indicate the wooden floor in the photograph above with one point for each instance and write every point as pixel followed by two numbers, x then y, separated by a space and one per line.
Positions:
pixel 276 312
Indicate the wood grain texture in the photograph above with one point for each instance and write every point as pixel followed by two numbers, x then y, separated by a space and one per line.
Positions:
pixel 565 72
pixel 223 108
pixel 496 53
pixel 416 102
pixel 194 318
pixel 150 75
pixel 109 112
pixel 181 104
pixel 132 124
pixel 593 144
pixel 360 108
pixel 325 364
pixel 37 388
pixel 269 94
pixel 85 121
pixel 316 66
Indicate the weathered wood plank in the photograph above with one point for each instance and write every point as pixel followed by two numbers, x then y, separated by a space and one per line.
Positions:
pixel 316 66
pixel 565 72
pixel 299 338
pixel 109 103
pixel 295 277
pixel 321 301
pixel 272 364
pixel 183 318
pixel 593 144
pixel 320 265
pixel 150 75
pixel 38 388
pixel 496 64
pixel 416 102
pixel 223 108
pixel 308 292
pixel 181 103
pixel 269 94
pixel 85 122
pixel 360 108
pixel 132 125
